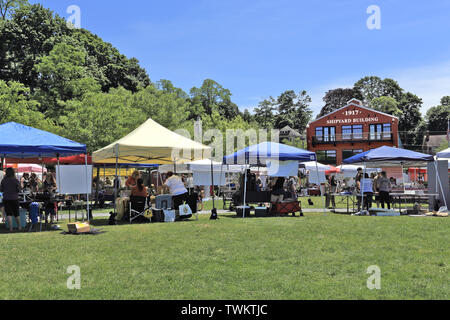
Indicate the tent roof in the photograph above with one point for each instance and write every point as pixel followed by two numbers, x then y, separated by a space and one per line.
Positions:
pixel 151 143
pixel 389 157
pixel 444 154
pixel 20 141
pixel 260 153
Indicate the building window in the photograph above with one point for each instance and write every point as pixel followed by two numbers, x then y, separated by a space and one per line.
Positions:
pixel 352 132
pixel 326 134
pixel 327 156
pixel 380 131
pixel 350 153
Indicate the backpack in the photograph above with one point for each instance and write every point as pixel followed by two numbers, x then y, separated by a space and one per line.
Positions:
pixel 112 219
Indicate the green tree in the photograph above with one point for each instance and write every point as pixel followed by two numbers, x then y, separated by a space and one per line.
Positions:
pixel 63 76
pixel 387 105
pixel 16 106
pixel 293 110
pixel 338 98
pixel 8 7
pixel 437 118
pixel 374 87
pixel 212 96
pixel 264 113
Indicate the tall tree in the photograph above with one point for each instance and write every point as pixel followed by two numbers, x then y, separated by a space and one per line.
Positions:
pixel 63 76
pixel 16 105
pixel 264 113
pixel 410 121
pixel 212 96
pixel 7 7
pixel 387 105
pixel 293 110
pixel 338 98
pixel 437 118
pixel 374 87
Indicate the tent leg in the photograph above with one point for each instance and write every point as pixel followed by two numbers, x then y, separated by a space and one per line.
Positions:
pixel 321 195
pixel 440 183
pixel 245 192
pixel 88 181
pixel 361 185
pixel 59 178
pixel 116 179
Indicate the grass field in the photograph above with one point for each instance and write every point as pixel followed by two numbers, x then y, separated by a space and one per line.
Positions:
pixel 315 257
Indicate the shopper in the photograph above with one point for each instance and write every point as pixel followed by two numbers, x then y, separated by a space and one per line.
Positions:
pixel 367 191
pixel 10 187
pixel 384 187
pixel 177 189
pixel 358 178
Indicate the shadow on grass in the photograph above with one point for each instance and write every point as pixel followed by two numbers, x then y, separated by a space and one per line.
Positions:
pixel 235 216
pixel 34 229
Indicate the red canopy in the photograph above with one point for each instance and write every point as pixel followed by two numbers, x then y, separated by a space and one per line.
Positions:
pixel 78 159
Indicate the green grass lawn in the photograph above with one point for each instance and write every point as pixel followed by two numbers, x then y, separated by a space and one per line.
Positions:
pixel 316 257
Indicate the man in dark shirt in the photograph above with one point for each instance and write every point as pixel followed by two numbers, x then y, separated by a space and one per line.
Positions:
pixel 10 187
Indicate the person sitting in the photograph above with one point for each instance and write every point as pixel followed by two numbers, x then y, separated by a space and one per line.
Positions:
pixel 132 180
pixel 108 182
pixel 25 181
pixel 139 190
pixel 34 183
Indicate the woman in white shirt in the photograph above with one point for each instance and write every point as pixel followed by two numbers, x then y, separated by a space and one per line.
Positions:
pixel 367 189
pixel 177 190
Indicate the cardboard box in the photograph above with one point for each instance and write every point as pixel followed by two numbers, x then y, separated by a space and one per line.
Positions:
pixel 79 227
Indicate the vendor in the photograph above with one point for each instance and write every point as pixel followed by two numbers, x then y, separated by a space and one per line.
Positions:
pixel 177 189
pixel 139 190
pixel 132 181
pixel 277 194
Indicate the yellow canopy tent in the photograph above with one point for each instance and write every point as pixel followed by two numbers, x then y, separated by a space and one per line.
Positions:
pixel 151 143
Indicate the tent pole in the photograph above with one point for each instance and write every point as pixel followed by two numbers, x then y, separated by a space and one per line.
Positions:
pixel 212 185
pixel 116 179
pixel 361 187
pixel 88 181
pixel 245 190
pixel 321 195
pixel 59 180
pixel 440 183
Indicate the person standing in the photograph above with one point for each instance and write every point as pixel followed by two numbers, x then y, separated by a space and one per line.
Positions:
pixel 2 209
pixel 49 189
pixel 375 178
pixel 367 189
pixel 332 191
pixel 10 187
pixel 358 178
pixel 177 189
pixel 384 188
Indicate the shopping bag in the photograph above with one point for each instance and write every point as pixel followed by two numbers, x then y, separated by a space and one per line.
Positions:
pixel 169 215
pixel 185 210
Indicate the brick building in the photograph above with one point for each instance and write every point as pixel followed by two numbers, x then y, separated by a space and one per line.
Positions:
pixel 350 130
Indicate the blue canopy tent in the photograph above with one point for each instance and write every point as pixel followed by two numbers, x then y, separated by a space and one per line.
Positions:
pixel 22 142
pixel 391 157
pixel 444 154
pixel 264 152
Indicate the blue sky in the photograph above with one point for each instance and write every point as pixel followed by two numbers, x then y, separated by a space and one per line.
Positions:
pixel 260 48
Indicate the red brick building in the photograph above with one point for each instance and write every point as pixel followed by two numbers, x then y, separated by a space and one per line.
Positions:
pixel 351 130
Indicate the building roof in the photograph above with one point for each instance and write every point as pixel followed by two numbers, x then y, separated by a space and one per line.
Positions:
pixel 292 132
pixel 354 102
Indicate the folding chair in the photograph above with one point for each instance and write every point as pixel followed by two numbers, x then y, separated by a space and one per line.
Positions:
pixel 138 207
